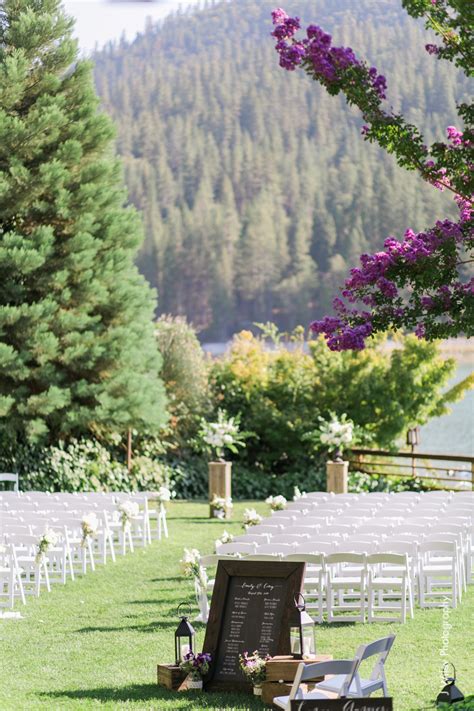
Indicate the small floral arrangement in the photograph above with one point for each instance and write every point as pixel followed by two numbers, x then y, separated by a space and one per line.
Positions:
pixel 253 666
pixel 297 494
pixel 89 527
pixel 251 518
pixel 163 495
pixel 220 505
pixel 128 510
pixel 192 568
pixel 334 434
pixel 216 437
pixel 47 540
pixel 196 665
pixel 276 503
pixel 225 538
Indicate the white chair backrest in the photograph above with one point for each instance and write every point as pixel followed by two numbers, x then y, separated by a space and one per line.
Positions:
pixel 350 546
pixel 290 538
pixel 337 558
pixel 9 477
pixel 310 530
pixel 317 546
pixel 252 538
pixel 275 549
pixel 245 548
pixel 311 672
pixel 395 546
pixel 382 648
pixel 207 560
pixel 265 528
pixel 436 546
pixel 310 558
pixel 400 559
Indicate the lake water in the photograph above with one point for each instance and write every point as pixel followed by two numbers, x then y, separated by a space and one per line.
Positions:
pixel 452 433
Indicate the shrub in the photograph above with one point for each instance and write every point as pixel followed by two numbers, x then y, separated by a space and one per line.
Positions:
pixel 280 394
pixel 360 482
pixel 185 374
pixel 82 465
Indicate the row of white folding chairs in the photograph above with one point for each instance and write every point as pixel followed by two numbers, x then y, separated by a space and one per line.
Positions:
pixel 310 541
pixel 347 587
pixel 419 556
pixel 110 500
pixel 21 567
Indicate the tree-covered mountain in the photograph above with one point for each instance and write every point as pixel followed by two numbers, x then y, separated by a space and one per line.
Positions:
pixel 256 188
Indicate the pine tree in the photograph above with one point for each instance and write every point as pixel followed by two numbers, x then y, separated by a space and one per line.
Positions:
pixel 77 350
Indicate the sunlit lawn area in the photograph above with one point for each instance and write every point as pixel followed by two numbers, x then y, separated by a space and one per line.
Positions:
pixel 96 642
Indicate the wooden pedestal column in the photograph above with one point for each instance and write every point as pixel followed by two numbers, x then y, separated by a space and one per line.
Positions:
pixel 220 484
pixel 336 477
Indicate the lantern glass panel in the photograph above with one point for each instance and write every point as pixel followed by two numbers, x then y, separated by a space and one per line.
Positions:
pixel 295 641
pixel 309 646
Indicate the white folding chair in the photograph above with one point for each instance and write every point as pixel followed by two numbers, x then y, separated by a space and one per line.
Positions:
pixel 360 687
pixel 389 590
pixel 11 584
pixel 314 584
pixel 307 673
pixel 10 478
pixel 346 593
pixel 34 572
pixel 438 574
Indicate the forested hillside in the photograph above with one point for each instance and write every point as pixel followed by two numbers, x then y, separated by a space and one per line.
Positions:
pixel 256 188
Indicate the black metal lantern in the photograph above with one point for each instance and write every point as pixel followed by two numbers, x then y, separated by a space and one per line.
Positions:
pixel 449 693
pixel 183 637
pixel 302 631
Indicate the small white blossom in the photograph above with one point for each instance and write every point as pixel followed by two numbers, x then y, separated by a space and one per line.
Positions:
pixel 276 503
pixel 251 518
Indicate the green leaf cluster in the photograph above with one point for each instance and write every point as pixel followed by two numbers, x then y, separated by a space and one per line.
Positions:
pixel 280 393
pixel 77 349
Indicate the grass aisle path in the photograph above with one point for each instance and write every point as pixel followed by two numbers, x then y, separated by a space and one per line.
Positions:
pixel 95 643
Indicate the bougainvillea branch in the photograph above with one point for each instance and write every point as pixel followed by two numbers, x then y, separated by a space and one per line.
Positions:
pixel 419 282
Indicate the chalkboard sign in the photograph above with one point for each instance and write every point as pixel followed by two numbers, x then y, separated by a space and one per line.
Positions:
pixel 375 704
pixel 251 608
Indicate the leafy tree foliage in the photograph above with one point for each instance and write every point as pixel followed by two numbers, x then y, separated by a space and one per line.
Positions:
pixel 281 392
pixel 77 350
pixel 185 374
pixel 257 191
pixel 424 281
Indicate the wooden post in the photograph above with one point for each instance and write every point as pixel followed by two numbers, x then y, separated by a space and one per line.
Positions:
pixel 336 477
pixel 220 484
pixel 129 449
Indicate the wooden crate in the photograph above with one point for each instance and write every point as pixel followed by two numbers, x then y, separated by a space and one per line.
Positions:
pixel 283 668
pixel 170 676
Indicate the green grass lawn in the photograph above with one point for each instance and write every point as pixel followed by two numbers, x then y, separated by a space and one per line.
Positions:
pixel 95 642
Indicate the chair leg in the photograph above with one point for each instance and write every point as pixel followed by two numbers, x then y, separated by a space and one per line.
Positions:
pixel 403 601
pixel 91 554
pixel 110 541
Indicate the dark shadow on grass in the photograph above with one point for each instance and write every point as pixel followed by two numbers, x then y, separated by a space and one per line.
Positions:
pixel 150 627
pixel 176 579
pixel 134 692
pixel 195 519
pixel 149 692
